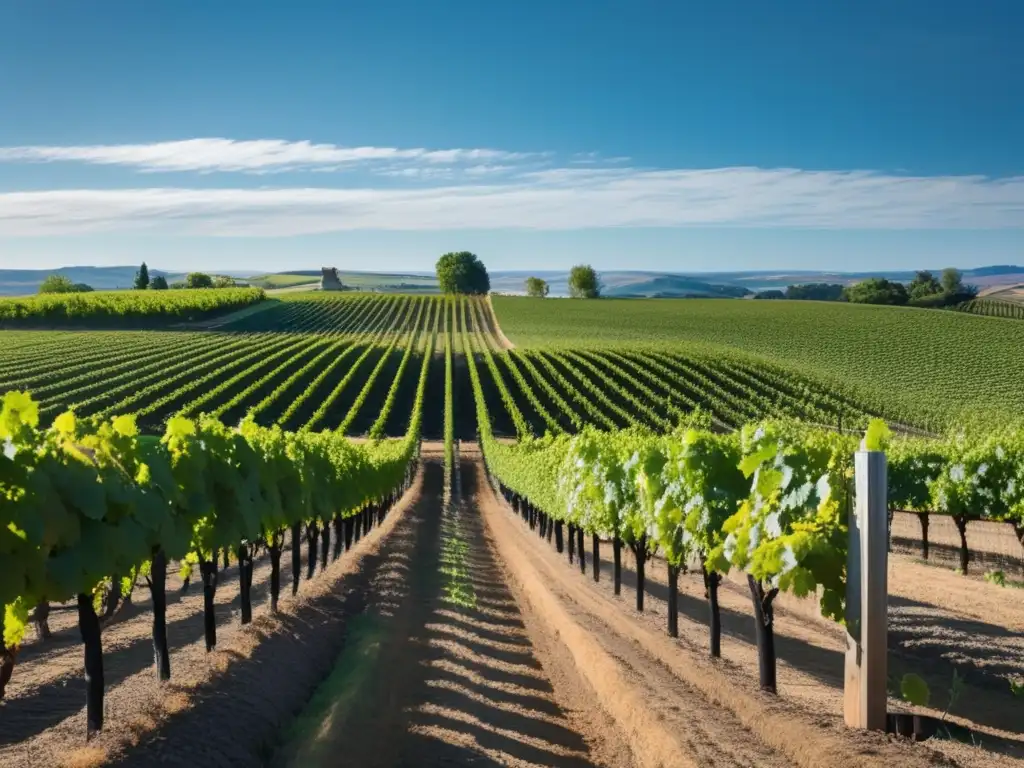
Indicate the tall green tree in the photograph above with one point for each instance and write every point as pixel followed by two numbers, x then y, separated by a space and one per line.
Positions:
pixel 142 278
pixel 952 280
pixel 462 272
pixel 536 287
pixel 198 280
pixel 924 284
pixel 583 282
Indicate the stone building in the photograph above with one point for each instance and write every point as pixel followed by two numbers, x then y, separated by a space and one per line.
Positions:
pixel 329 280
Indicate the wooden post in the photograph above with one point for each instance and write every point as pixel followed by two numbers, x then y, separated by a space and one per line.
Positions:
pixel 867 597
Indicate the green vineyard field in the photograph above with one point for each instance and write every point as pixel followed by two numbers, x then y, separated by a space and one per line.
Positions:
pixel 921 367
pixel 349 362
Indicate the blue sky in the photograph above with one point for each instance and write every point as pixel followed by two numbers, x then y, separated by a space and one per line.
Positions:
pixel 375 135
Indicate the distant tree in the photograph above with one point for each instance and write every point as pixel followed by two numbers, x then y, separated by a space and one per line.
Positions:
pixel 923 285
pixel 81 288
pixel 198 280
pixel 770 294
pixel 536 287
pixel 583 282
pixel 952 280
pixel 815 292
pixel 222 281
pixel 462 272
pixel 159 283
pixel 142 278
pixel 877 290
pixel 57 284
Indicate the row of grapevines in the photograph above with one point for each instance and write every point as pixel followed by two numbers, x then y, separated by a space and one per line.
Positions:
pixel 314 386
pixel 119 306
pixel 598 416
pixel 117 362
pixel 217 371
pixel 589 362
pixel 482 313
pixel 449 400
pixel 595 389
pixel 516 358
pixel 966 478
pixel 371 380
pixel 771 499
pixel 992 308
pixel 207 397
pixel 677 390
pixel 473 341
pixel 377 430
pixel 86 499
pixel 305 352
pixel 69 357
pixel 190 375
pixel 331 350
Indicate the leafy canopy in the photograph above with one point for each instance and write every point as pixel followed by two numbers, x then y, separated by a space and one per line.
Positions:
pixel 462 272
pixel 877 290
pixel 583 282
pixel 198 280
pixel 62 284
pixel 536 287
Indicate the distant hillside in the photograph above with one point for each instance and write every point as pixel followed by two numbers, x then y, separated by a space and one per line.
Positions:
pixel 760 280
pixel 18 282
pixel 623 284
pixel 671 286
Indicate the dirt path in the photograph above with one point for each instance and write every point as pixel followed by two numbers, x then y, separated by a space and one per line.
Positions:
pixel 926 639
pixel 496 329
pixel 450 669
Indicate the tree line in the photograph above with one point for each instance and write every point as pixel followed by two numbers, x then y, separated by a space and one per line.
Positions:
pixel 925 290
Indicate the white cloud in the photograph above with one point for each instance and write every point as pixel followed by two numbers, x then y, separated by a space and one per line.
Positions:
pixel 259 156
pixel 556 198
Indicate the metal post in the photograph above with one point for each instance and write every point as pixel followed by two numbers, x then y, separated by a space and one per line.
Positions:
pixel 867 597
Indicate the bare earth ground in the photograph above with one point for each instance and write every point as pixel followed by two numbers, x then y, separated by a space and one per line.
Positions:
pixel 993 546
pixel 496 329
pixel 451 670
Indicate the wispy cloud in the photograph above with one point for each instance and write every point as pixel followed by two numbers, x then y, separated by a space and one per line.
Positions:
pixel 551 199
pixel 208 155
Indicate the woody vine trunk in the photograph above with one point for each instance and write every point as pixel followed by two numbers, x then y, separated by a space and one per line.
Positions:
pixel 764 626
pixel 89 627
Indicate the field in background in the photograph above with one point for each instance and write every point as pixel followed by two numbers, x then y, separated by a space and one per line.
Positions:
pixel 923 367
pixel 350 361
